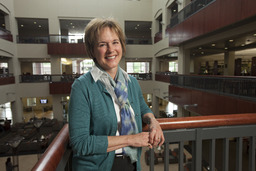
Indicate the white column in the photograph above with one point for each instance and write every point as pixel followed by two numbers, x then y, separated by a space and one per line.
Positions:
pixel 57 107
pixel 229 63
pixel 17 111
pixel 183 61
pixel 56 65
pixel 54 30
pixel 155 105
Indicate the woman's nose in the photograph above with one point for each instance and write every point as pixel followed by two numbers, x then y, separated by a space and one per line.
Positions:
pixel 110 48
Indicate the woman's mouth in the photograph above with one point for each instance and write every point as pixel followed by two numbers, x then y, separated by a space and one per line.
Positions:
pixel 110 57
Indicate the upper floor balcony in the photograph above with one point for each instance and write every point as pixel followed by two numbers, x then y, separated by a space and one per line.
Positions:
pixel 237 86
pixel 7 79
pixel 6 35
pixel 74 39
pixel 211 95
pixel 61 84
pixel 164 76
pixel 209 15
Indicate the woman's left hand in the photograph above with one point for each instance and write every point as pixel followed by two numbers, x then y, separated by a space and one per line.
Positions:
pixel 156 136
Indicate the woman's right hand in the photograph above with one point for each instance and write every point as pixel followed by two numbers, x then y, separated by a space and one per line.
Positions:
pixel 140 140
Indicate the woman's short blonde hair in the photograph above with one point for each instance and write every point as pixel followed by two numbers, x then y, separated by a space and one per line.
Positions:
pixel 93 29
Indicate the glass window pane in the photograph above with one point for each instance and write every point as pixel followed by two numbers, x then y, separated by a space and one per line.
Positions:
pixel 137 67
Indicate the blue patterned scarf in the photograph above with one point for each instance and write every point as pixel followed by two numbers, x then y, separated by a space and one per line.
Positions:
pixel 119 91
pixel 128 122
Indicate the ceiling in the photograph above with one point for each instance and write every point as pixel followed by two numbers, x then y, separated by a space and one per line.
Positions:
pixel 244 45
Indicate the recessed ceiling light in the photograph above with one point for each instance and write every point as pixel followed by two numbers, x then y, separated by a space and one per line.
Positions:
pixel 213 44
pixel 242 44
pixel 231 40
pixel 254 34
pixel 34 22
pixel 226 48
pixel 202 53
pixel 39 26
pixel 22 25
pixel 200 48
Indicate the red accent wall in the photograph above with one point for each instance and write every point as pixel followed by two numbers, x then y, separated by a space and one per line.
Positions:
pixel 66 49
pixel 217 15
pixel 7 80
pixel 210 103
pixel 60 87
pixel 162 77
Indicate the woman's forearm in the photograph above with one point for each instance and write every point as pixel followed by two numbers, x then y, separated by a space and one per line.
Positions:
pixel 116 142
pixel 135 140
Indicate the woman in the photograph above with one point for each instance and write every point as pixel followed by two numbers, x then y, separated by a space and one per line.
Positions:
pixel 107 108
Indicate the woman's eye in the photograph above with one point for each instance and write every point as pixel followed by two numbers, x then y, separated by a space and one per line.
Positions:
pixel 116 42
pixel 101 45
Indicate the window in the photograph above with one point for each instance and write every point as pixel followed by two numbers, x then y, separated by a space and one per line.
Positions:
pixel 138 67
pixel 5 111
pixel 173 66
pixel 3 65
pixel 86 65
pixel 41 68
pixel 31 102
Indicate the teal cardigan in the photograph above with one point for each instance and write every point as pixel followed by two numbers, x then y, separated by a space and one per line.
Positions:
pixel 92 118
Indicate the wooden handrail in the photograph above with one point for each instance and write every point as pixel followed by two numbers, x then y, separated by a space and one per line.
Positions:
pixel 206 121
pixel 52 156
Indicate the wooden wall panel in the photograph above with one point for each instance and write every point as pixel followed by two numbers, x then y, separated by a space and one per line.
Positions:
pixel 66 49
pixel 248 8
pixel 217 15
pixel 213 14
pixel 179 95
pixel 7 80
pixel 60 87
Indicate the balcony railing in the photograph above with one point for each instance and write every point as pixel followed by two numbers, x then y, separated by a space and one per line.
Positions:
pixel 234 86
pixel 189 10
pixel 5 34
pixel 164 76
pixel 7 79
pixel 48 78
pixel 207 140
pixel 142 76
pixel 68 78
pixel 138 41
pixel 73 39
pixel 158 37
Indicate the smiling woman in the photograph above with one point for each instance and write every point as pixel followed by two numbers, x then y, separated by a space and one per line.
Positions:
pixel 107 108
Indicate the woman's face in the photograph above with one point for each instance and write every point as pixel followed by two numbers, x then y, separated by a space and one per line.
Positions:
pixel 108 51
